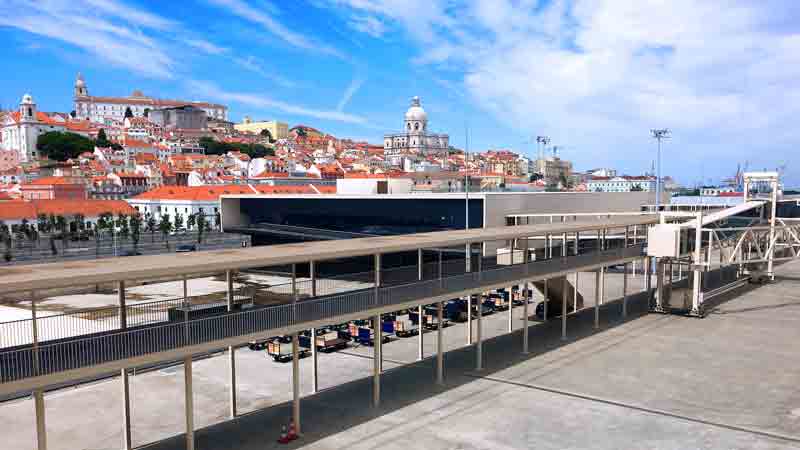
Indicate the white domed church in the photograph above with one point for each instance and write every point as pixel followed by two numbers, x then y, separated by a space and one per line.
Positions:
pixel 415 137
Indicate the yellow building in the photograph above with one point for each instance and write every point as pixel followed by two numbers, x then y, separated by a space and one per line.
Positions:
pixel 278 130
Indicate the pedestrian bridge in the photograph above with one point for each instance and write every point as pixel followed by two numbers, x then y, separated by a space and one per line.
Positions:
pixel 493 258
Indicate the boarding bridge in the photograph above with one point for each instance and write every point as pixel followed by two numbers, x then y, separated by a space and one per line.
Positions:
pixel 704 254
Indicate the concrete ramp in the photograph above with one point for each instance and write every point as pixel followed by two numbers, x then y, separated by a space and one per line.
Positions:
pixel 555 291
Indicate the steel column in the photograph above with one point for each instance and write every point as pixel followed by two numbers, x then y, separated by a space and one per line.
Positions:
pixel 126 411
pixel 377 340
pixel 296 382
pixel 439 345
pixel 123 310
pixel 511 307
pixel 546 301
pixel 479 340
pixel 525 299
pixel 231 350
pixel 597 299
pixel 188 402
pixel 625 290
pixel 420 276
pixel 698 260
pixel 564 309
pixel 312 270
pixel 469 301
pixel 41 428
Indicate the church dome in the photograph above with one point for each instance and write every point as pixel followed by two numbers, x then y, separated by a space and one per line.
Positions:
pixel 415 111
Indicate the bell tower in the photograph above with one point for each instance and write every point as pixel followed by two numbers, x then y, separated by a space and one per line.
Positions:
pixel 80 87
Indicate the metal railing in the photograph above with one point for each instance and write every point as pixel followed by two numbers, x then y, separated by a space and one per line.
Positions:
pixel 57 357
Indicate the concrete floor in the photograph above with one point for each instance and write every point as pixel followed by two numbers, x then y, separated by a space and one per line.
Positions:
pixel 661 382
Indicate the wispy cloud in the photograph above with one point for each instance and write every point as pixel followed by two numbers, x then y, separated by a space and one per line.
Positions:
pixel 370 25
pixel 106 30
pixel 263 18
pixel 348 93
pixel 206 46
pixel 253 100
pixel 254 65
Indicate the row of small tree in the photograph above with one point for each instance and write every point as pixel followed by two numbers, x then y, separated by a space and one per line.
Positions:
pixel 122 226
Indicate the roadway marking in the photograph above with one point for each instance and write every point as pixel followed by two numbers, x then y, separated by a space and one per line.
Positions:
pixel 768 434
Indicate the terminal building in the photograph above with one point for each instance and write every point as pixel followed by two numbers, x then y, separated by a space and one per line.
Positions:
pixel 293 218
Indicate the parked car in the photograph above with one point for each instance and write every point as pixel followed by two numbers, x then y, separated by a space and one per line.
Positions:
pixel 131 253
pixel 186 248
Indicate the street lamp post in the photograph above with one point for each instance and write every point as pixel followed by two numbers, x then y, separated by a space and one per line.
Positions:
pixel 659 135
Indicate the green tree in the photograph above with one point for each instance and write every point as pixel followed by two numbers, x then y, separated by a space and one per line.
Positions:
pixel 637 188
pixel 41 223
pixel 151 226
pixel 61 226
pixel 61 146
pixel 218 221
pixel 190 220
pixel 102 140
pixel 165 226
pixel 104 222
pixel 136 230
pixel 128 112
pixel 201 226
pixel 178 221
pixel 122 224
pixel 266 134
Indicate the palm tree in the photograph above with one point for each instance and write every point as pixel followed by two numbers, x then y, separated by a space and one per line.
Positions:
pixel 41 223
pixel 191 220
pixel 61 226
pixel 104 222
pixel 165 226
pixel 151 226
pixel 201 226
pixel 122 224
pixel 178 221
pixel 136 228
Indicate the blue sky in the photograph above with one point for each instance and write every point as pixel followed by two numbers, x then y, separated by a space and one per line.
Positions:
pixel 594 75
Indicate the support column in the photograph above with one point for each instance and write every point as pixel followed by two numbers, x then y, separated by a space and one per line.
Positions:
pixel 439 345
pixel 126 411
pixel 564 285
pixel 546 301
pixel 597 299
pixel 525 299
pixel 312 270
pixel 575 291
pixel 38 394
pixel 479 343
pixel 188 402
pixel 125 382
pixel 420 276
pixel 469 301
pixel 295 355
pixel 41 429
pixel 698 260
pixel 648 281
pixel 231 350
pixel 376 367
pixel 296 382
pixel 123 310
pixel 660 268
pixel 377 357
pixel 625 290
pixel 511 308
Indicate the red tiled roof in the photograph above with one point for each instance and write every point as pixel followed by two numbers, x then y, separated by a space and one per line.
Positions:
pixel 18 210
pixel 48 181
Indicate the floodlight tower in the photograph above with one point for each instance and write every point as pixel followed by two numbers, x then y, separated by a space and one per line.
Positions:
pixel 659 135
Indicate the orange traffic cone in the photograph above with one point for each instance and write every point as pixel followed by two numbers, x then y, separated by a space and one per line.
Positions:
pixel 292 431
pixel 284 439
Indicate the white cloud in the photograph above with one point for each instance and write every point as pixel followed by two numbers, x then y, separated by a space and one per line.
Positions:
pixel 261 16
pixel 351 90
pixel 114 37
pixel 210 90
pixel 254 65
pixel 370 25
pixel 206 46
pixel 598 74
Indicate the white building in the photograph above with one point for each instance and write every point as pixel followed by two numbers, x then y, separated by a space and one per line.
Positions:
pixel 621 184
pixel 98 109
pixel 20 130
pixel 415 137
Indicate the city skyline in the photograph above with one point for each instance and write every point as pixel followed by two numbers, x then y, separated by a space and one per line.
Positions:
pixel 594 77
